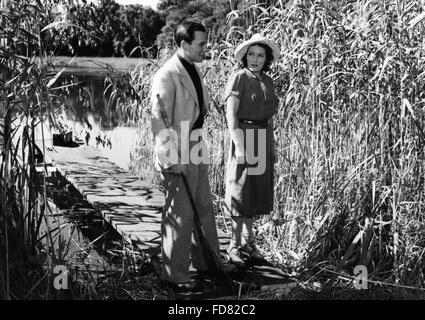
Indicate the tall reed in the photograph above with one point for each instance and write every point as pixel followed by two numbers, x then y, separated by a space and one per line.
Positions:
pixel 350 131
pixel 26 91
pixel 349 182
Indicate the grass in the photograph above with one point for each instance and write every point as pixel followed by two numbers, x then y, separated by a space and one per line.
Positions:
pixel 349 133
pixel 349 129
pixel 25 101
pixel 102 266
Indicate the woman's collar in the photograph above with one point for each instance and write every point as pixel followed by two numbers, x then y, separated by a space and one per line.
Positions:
pixel 253 75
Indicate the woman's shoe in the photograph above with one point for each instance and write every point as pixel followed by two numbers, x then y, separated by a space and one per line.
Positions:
pixel 250 251
pixel 235 257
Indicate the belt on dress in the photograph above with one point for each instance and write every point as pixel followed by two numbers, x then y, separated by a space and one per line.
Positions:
pixel 261 123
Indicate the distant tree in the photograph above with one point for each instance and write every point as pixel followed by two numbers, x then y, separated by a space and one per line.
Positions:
pixel 107 29
pixel 144 24
pixel 212 13
pixel 171 5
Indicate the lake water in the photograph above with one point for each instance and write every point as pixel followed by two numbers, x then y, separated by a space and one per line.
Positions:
pixel 97 124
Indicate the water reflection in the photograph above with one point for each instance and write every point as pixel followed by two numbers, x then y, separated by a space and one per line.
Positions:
pixel 97 122
pixel 90 96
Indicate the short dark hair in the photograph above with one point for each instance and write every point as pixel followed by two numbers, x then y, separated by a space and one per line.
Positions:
pixel 269 57
pixel 186 31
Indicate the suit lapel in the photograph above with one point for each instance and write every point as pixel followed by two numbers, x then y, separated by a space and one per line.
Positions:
pixel 185 79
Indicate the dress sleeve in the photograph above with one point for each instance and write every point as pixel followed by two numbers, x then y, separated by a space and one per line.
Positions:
pixel 234 86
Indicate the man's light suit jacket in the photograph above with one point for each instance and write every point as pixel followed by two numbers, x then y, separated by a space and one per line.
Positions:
pixel 178 95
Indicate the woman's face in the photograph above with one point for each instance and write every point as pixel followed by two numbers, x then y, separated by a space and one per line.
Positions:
pixel 255 58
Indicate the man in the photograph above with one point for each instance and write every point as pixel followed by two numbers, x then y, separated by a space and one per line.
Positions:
pixel 185 102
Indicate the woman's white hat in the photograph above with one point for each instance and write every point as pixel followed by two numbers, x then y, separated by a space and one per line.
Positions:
pixel 257 38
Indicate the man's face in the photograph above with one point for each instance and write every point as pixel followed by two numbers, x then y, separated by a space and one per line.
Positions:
pixel 195 50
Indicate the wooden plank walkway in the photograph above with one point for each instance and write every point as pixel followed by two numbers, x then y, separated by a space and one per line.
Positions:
pixel 130 205
pixel 133 208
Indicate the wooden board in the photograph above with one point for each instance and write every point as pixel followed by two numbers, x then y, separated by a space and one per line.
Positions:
pixel 131 206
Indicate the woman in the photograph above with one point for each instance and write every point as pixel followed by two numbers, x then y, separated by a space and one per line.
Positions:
pixel 250 104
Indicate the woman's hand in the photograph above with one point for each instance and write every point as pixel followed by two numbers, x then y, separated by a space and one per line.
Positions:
pixel 178 169
pixel 236 133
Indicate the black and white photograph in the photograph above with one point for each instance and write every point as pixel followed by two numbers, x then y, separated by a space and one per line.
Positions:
pixel 206 156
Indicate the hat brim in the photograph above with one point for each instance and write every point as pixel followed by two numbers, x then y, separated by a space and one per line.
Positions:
pixel 243 48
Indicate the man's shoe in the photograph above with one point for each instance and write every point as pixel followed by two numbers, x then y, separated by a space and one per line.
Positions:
pixel 189 286
pixel 235 257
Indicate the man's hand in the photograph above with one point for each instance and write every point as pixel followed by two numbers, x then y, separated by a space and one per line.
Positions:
pixel 240 156
pixel 274 156
pixel 178 168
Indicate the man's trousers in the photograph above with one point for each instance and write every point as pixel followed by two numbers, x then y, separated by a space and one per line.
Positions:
pixel 180 243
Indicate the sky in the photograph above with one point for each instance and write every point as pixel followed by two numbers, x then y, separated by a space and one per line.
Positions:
pixel 149 3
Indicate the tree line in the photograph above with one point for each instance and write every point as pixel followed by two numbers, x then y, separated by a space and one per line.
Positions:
pixel 108 29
